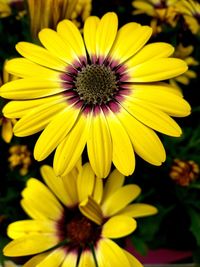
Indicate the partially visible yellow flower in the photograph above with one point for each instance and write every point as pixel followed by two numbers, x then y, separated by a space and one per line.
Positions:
pixel 190 10
pixel 74 215
pixel 161 11
pixel 96 92
pixel 184 53
pixel 6 8
pixel 20 157
pixel 5 123
pixel 184 172
pixel 47 14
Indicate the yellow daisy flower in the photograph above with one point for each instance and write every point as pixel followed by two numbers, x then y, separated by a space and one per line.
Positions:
pixel 41 15
pixel 190 10
pixel 161 11
pixel 107 97
pixel 184 52
pixel 72 222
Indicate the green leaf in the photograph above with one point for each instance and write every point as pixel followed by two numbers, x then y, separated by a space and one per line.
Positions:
pixel 139 245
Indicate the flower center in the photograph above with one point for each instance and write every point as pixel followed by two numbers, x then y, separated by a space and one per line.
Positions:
pixel 96 84
pixel 81 231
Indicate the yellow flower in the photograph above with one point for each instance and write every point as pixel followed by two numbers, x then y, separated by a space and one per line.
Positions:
pixel 161 11
pixel 41 15
pixel 6 8
pixel 70 219
pixel 108 98
pixel 190 10
pixel 184 53
pixel 184 172
pixel 5 123
pixel 20 157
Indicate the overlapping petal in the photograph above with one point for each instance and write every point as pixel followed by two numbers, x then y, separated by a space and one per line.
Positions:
pixel 118 226
pixel 99 145
pixel 30 244
pixel 110 254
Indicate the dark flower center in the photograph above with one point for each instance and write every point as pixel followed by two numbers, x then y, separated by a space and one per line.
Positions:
pixel 96 84
pixel 78 229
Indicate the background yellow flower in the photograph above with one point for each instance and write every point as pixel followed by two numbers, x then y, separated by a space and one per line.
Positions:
pixel 70 220
pixel 41 15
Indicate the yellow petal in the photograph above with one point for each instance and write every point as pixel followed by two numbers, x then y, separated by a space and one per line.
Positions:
pixel 25 68
pixel 89 31
pixel 55 45
pixel 7 131
pixel 163 100
pixel 25 227
pixel 86 259
pixel 106 33
pixel 143 7
pixel 42 199
pixel 99 145
pixel 98 190
pixel 85 177
pixel 120 199
pixel 30 244
pixel 55 132
pixel 135 35
pixel 70 259
pixel 138 210
pixel 70 149
pixel 36 259
pixel 110 254
pixel 151 52
pixel 55 258
pixel 114 181
pixel 70 186
pixel 32 211
pixel 71 35
pixel 40 56
pixel 118 226
pixel 17 109
pixel 157 70
pixel 145 141
pixel 55 184
pixel 30 88
pixel 39 117
pixel 90 209
pixel 123 155
pixel 153 118
pixel 132 260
